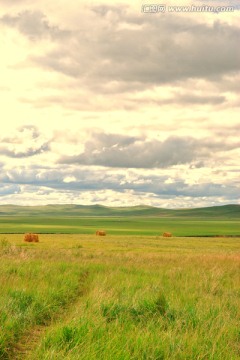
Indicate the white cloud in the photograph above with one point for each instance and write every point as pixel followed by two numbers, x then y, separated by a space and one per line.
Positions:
pixel 69 179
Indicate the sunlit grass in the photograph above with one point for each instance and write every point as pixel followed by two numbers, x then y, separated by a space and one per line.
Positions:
pixel 146 297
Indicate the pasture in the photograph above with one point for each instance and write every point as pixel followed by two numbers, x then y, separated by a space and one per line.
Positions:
pixel 136 220
pixel 121 297
pixel 152 226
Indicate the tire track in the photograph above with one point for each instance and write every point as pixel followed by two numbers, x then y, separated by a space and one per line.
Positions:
pixel 30 339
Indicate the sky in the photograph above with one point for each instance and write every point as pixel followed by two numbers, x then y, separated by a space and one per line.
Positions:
pixel 118 105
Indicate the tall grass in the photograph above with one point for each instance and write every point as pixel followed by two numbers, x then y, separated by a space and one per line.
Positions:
pixel 147 298
pixel 33 290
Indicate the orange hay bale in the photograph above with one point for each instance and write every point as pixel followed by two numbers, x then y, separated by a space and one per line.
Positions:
pixel 29 237
pixel 35 237
pixel 167 234
pixel 101 233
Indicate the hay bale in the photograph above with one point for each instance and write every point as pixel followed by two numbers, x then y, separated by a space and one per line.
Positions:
pixel 167 234
pixel 35 237
pixel 101 233
pixel 29 237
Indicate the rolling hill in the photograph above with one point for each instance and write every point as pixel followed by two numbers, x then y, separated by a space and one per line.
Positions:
pixel 214 212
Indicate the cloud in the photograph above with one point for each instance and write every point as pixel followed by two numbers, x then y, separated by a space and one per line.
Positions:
pixel 128 152
pixel 6 189
pixel 197 99
pixel 107 197
pixel 75 100
pixel 154 53
pixel 84 180
pixel 26 142
pixel 33 24
pixel 140 107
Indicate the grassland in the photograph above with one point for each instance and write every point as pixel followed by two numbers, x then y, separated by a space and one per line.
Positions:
pixel 120 226
pixel 76 219
pixel 120 297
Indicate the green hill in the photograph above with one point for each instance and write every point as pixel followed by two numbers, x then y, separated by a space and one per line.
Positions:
pixel 215 212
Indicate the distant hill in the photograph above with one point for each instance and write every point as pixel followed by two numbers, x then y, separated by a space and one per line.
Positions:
pixel 218 212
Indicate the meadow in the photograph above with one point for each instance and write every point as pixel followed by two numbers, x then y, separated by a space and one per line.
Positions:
pixel 136 220
pixel 119 297
pixel 121 225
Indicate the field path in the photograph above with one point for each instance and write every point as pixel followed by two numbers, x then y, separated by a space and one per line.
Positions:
pixel 29 341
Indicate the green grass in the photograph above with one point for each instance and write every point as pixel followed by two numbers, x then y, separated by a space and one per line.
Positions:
pixel 144 297
pixel 137 220
pixel 32 291
pixel 120 226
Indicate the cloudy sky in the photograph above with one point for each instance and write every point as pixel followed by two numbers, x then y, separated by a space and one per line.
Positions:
pixel 104 103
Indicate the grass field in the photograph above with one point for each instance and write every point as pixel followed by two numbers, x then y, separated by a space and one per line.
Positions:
pixel 121 225
pixel 119 297
pixel 76 219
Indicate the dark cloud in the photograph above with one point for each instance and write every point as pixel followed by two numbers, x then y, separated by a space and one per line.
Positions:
pixel 158 51
pixel 126 52
pixel 128 152
pixel 33 24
